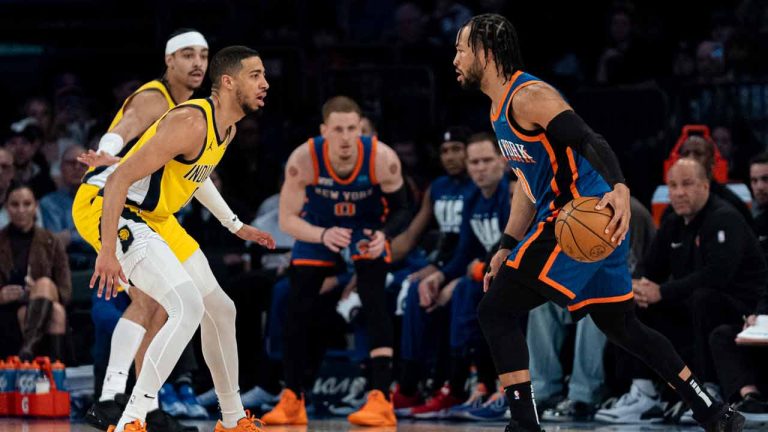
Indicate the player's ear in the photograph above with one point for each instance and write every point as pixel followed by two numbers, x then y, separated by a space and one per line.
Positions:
pixel 168 60
pixel 323 128
pixel 227 81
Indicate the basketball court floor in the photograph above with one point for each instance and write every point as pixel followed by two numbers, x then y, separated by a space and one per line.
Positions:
pixel 339 425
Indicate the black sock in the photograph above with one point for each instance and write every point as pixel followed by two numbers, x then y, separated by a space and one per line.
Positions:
pixel 409 381
pixel 522 405
pixel 381 374
pixel 704 406
pixel 459 375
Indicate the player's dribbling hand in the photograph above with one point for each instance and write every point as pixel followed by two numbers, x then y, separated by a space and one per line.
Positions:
pixel 618 199
pixel 97 159
pixel 109 273
pixel 377 243
pixel 498 259
pixel 336 238
pixel 429 287
pixel 262 238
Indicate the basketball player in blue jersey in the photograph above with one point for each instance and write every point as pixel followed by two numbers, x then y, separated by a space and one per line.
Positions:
pixel 443 202
pixel 186 61
pixel 342 190
pixel 556 158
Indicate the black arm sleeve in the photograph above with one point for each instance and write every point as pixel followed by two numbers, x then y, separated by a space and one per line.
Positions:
pixel 568 129
pixel 399 215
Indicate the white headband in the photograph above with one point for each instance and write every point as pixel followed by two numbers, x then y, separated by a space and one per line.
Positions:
pixel 185 40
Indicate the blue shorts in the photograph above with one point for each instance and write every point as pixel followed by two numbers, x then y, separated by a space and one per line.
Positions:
pixel 465 328
pixel 317 255
pixel 538 262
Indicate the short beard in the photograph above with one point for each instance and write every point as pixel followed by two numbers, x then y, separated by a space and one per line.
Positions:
pixel 473 77
pixel 247 109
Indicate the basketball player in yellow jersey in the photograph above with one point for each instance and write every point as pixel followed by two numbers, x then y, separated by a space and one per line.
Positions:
pixel 154 180
pixel 186 60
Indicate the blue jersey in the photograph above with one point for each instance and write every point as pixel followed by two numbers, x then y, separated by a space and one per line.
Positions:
pixel 483 221
pixel 550 175
pixel 447 196
pixel 354 202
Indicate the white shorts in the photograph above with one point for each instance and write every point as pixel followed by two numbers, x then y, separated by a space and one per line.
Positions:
pixel 150 264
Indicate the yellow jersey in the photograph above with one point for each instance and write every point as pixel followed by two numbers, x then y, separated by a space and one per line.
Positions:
pixel 164 192
pixel 154 85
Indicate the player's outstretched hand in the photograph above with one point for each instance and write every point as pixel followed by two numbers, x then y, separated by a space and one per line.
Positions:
pixel 262 238
pixel 97 159
pixel 109 274
pixel 498 259
pixel 336 238
pixel 618 199
pixel 377 243
pixel 429 288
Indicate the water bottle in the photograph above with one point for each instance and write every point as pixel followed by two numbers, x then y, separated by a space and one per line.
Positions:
pixel 5 386
pixel 11 372
pixel 59 375
pixel 26 378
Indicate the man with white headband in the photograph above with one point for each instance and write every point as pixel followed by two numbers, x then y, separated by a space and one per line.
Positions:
pixel 186 60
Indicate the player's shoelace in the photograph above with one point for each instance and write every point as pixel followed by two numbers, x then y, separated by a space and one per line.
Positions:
pixel 254 423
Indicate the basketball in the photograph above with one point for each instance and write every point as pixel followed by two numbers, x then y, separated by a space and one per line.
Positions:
pixel 580 228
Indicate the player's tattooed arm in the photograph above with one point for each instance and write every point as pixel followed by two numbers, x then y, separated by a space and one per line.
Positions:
pixel 387 168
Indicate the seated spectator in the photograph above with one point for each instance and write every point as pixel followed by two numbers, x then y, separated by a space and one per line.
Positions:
pixel 443 202
pixel 758 180
pixel 741 369
pixel 24 143
pixel 706 264
pixel 703 150
pixel 484 215
pixel 35 280
pixel 56 208
pixel 7 173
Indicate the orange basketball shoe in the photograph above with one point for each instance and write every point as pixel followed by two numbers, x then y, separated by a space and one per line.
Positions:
pixel 249 423
pixel 134 426
pixel 377 411
pixel 289 411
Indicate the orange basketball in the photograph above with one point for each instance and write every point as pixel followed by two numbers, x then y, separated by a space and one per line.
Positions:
pixel 580 228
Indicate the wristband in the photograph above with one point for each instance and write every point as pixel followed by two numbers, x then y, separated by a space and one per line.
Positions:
pixel 507 242
pixel 322 236
pixel 110 143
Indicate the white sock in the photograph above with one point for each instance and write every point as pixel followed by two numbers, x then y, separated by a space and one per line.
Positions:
pixel 125 343
pixel 155 405
pixel 646 386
